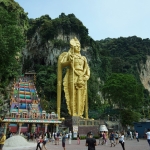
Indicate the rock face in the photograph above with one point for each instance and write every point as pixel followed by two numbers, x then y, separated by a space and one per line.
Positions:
pixel 47 53
pixel 145 74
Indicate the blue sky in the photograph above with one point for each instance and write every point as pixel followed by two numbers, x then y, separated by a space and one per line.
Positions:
pixel 103 18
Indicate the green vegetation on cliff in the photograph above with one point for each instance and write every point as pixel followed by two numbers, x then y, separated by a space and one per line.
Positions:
pixel 13 23
pixel 64 24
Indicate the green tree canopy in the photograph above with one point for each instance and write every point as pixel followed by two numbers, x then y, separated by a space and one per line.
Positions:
pixel 13 24
pixel 123 90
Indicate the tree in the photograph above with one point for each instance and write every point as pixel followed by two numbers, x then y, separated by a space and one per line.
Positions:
pixel 128 117
pixel 123 90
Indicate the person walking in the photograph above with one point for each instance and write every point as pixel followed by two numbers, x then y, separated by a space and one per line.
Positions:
pixel 55 137
pixel 104 138
pixel 91 142
pixel 63 141
pixel 112 139
pixel 148 136
pixel 58 135
pixel 38 143
pixel 137 136
pixel 131 136
pixel 70 137
pixel 2 140
pixel 121 140
pixel 116 137
pixel 78 139
pixel 44 142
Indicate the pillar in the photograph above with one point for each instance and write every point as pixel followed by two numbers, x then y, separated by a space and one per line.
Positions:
pixel 20 125
pixel 33 127
pixel 46 127
pixel 57 127
pixel 5 128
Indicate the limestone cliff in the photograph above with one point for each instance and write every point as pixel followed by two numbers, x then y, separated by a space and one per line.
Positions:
pixel 145 73
pixel 47 53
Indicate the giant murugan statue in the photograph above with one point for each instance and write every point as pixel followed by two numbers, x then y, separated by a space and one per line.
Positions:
pixel 75 80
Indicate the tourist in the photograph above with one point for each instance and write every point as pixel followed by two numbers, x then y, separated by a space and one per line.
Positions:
pixel 63 140
pixel 131 136
pixel 70 137
pixel 55 138
pixel 90 142
pixel 44 142
pixel 137 136
pixel 128 134
pixel 2 140
pixel 78 139
pixel 121 140
pixel 66 135
pixel 111 138
pixel 58 135
pixel 39 140
pixel 116 137
pixel 28 136
pixel 148 136
pixel 104 138
pixel 48 136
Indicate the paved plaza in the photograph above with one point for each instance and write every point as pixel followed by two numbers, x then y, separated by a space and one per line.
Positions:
pixel 129 145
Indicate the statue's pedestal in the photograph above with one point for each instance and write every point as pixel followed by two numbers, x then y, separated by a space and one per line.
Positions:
pixel 73 124
pixel 82 126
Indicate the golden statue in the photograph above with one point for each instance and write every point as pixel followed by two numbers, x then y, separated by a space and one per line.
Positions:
pixel 75 80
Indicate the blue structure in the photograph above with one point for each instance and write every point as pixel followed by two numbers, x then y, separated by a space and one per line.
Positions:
pixel 141 128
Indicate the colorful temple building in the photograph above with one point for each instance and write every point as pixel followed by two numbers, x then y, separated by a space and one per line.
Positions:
pixel 26 114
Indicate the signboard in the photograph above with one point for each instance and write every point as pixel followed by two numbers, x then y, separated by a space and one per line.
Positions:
pixel 75 128
pixel 75 131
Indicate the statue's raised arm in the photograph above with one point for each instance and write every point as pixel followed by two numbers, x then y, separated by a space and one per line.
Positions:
pixel 75 80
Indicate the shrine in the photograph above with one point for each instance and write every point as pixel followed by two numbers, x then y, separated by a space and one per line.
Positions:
pixel 26 114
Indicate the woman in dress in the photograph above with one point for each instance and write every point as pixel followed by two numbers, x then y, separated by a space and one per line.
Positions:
pixel 78 139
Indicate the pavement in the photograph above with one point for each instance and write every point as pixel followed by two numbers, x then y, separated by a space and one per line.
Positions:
pixel 129 145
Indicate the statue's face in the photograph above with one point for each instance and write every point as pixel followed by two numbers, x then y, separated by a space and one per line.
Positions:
pixel 77 48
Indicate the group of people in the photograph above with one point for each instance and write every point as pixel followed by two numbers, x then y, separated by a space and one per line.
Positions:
pixel 114 138
pixel 41 139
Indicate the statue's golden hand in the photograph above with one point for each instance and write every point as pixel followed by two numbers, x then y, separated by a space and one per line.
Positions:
pixel 85 77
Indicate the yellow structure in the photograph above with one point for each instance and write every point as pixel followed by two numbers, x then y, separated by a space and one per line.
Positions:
pixel 75 80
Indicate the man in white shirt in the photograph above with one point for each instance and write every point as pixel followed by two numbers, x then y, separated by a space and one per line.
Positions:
pixel 148 136
pixel 131 135
pixel 70 137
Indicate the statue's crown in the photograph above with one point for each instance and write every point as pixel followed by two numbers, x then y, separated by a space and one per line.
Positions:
pixel 74 41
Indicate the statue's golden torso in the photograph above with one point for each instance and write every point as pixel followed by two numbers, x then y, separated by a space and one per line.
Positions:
pixel 79 63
